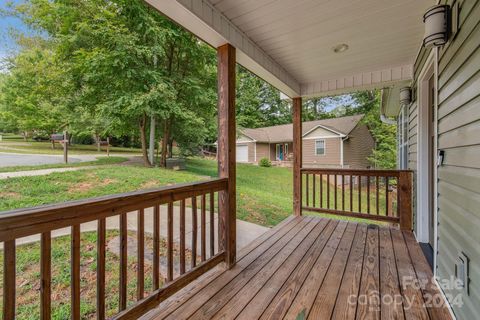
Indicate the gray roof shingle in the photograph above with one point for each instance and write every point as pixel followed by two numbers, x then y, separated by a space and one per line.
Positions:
pixel 284 133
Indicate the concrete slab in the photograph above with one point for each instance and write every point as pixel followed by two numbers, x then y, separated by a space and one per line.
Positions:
pixel 246 231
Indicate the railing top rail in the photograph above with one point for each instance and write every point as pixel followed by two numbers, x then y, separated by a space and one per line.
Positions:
pixel 364 172
pixel 25 222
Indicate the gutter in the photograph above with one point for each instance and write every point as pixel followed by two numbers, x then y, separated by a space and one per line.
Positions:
pixel 386 120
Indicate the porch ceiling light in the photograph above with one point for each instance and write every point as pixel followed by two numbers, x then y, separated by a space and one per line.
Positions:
pixel 437 26
pixel 340 48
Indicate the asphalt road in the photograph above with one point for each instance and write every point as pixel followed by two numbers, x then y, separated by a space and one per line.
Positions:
pixel 9 160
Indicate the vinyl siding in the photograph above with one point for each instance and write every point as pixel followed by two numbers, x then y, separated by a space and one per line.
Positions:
pixel 358 147
pixel 251 152
pixel 459 136
pixel 263 151
pixel 330 158
pixel 320 132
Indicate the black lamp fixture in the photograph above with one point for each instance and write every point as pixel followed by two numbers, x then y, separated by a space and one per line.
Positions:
pixel 438 26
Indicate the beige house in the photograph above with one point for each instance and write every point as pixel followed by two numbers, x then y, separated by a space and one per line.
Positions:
pixel 340 142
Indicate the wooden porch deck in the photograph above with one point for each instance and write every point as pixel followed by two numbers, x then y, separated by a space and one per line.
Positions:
pixel 314 268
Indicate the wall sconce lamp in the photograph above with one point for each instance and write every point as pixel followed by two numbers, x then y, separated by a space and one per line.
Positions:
pixel 438 26
pixel 405 96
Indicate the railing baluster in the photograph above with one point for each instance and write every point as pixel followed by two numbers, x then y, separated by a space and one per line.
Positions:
pixel 359 193
pixel 377 189
pixel 9 276
pixel 194 232
pixel 98 211
pixel 46 275
pixel 203 232
pixel 75 271
pixel 170 242
pixel 343 192
pixel 122 305
pixel 328 191
pixel 351 193
pixel 182 236
pixel 368 194
pixel 156 247
pixel 140 254
pixel 321 191
pixel 101 240
pixel 386 196
pixel 212 224
pixel 313 192
pixel 335 191
pixel 306 188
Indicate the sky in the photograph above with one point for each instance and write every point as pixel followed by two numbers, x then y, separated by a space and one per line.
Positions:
pixel 7 43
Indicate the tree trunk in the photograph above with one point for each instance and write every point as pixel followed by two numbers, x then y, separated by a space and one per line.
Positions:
pixel 143 140
pixel 170 148
pixel 97 140
pixel 166 137
pixel 151 144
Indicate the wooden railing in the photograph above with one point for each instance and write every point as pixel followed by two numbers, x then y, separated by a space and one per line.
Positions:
pixel 43 220
pixel 383 195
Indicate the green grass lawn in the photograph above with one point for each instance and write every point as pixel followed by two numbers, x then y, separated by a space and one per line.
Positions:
pixel 99 162
pixel 264 196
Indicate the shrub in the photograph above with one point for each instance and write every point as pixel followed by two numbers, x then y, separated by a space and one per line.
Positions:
pixel 264 162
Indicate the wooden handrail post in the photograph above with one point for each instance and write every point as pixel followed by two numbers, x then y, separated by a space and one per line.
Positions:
pixel 226 151
pixel 297 156
pixel 405 200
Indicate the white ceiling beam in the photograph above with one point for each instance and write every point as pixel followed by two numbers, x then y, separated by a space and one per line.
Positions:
pixel 362 81
pixel 210 25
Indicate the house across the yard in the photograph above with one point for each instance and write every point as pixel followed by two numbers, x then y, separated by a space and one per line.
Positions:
pixel 342 142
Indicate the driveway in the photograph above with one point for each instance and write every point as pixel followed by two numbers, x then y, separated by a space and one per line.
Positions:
pixel 12 159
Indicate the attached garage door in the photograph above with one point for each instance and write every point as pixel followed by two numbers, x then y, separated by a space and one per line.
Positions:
pixel 242 153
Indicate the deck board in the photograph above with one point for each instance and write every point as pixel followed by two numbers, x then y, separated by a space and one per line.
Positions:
pixel 351 280
pixel 368 306
pixel 309 268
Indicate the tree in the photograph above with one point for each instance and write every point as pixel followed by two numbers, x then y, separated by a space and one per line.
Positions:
pixel 258 103
pixel 32 95
pixel 126 64
pixel 385 153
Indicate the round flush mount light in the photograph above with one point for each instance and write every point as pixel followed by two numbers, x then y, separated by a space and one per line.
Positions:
pixel 340 48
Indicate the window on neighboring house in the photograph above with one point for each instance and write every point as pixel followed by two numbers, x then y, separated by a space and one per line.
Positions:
pixel 319 147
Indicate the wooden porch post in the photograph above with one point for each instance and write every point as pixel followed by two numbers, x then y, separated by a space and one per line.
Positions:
pixel 297 156
pixel 226 151
pixel 405 200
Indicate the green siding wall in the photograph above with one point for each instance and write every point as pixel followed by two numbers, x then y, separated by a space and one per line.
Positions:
pixel 459 136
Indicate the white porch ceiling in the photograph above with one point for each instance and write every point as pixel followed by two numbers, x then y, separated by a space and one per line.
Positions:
pixel 289 42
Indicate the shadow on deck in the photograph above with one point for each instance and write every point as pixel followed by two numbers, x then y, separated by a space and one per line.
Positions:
pixel 315 268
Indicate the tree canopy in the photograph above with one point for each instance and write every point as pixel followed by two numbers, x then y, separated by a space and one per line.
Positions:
pixel 110 68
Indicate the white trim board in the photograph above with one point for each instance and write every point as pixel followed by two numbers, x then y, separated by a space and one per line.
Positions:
pixel 323 127
pixel 323 137
pixel 423 178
